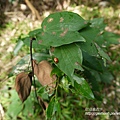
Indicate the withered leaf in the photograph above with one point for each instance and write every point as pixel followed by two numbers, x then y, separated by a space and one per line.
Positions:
pixel 23 83
pixel 43 73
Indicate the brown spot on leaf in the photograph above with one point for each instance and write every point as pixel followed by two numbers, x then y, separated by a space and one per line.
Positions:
pixel 40 41
pixel 76 63
pixel 85 22
pixel 43 33
pixel 23 84
pixel 44 27
pixel 64 32
pixel 54 33
pixel 61 19
pixel 50 20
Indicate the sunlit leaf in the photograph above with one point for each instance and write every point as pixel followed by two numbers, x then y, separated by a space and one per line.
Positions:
pixel 65 84
pixel 70 57
pixel 64 19
pixel 61 28
pixel 19 45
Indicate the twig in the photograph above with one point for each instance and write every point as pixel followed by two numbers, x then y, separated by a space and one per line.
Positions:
pixel 39 102
pixel 33 9
pixel 33 66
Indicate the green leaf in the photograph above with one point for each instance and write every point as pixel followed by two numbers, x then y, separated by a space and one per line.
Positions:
pixel 24 63
pixel 111 38
pixel 57 72
pixel 98 23
pixel 89 34
pixel 59 38
pixel 107 38
pixel 106 77
pixel 49 111
pixel 70 57
pixel 59 20
pixel 21 65
pixel 92 62
pixel 61 28
pixel 94 79
pixel 57 107
pixel 40 56
pixel 28 107
pixel 82 87
pixel 64 83
pixel 34 43
pixel 15 107
pixel 34 32
pixel 19 45
pixel 43 93
pixel 102 53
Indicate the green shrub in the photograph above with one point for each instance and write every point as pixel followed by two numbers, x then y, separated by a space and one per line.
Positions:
pixel 76 48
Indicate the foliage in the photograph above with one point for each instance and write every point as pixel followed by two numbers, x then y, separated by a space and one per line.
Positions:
pixel 79 46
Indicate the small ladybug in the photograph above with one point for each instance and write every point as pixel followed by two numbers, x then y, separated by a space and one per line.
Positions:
pixel 56 60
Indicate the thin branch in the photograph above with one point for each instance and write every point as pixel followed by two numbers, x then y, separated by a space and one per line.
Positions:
pixel 31 57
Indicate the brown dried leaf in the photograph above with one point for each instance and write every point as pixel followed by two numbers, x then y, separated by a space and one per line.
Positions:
pixel 43 73
pixel 23 83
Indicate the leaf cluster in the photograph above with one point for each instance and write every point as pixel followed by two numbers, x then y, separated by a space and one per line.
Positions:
pixel 76 48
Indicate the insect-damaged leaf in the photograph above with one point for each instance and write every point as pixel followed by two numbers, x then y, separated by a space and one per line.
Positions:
pixel 23 83
pixel 61 28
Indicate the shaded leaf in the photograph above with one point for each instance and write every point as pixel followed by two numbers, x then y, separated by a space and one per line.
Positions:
pixel 89 34
pixel 14 109
pixel 23 83
pixel 50 108
pixel 57 72
pixel 82 87
pixel 106 77
pixel 92 62
pixel 43 93
pixel 57 106
pixel 15 106
pixel 102 53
